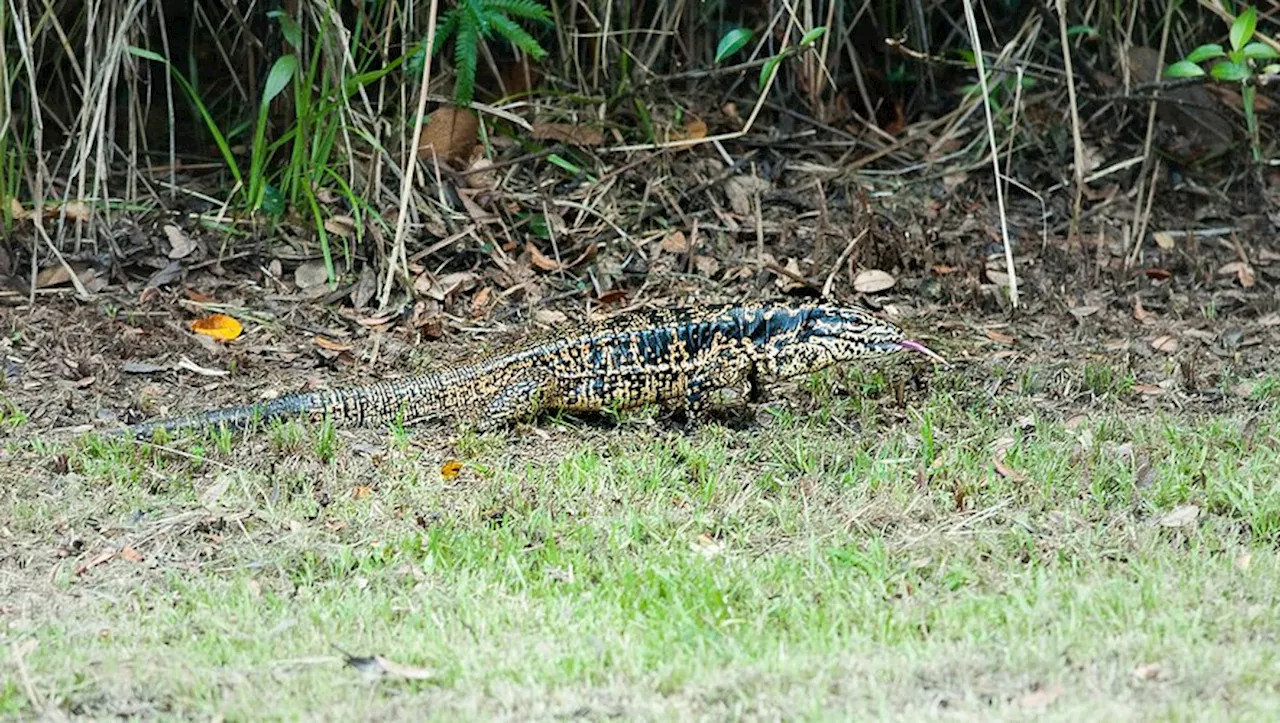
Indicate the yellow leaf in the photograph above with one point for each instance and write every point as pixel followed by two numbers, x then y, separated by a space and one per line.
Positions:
pixel 450 468
pixel 218 326
pixel 359 492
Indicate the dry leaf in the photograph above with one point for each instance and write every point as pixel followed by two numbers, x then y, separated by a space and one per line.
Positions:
pixel 1244 273
pixel 78 210
pixel 480 177
pixel 377 665
pixel 1041 698
pixel 1150 671
pixel 329 344
pixel 140 367
pixel 16 210
pixel 359 492
pixel 480 301
pixel 1242 561
pixel 869 281
pixel 1002 448
pixel 185 363
pixel 1139 313
pixel 218 326
pixel 214 492
pixel 343 226
pixel 676 243
pixel 180 244
pixel 1183 516
pixel 541 260
pixel 550 317
pixel 1164 239
pixel 567 133
pixel 999 337
pixel 309 274
pixel 1081 312
pixel 131 554
pixel 450 468
pixel 1165 344
pixel 451 133
pixel 707 546
pixel 694 130
pixel 742 191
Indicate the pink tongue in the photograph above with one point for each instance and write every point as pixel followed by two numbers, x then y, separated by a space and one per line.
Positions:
pixel 917 346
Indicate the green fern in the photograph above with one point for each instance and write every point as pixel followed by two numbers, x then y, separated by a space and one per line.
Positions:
pixel 470 20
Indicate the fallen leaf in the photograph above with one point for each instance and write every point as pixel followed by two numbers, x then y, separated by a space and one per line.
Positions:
pixel 1002 448
pixel 1164 239
pixel 210 496
pixel 325 342
pixel 480 301
pixel 869 281
pixel 98 559
pixel 694 130
pixel 131 554
pixel 541 260
pixel 676 243
pixel 707 546
pixel 999 337
pixel 16 210
pixel 443 287
pixel 343 226
pixel 78 210
pixel 450 133
pixel 742 191
pixel 376 665
pixel 140 367
pixel 180 244
pixel 218 326
pixel 549 316
pixel 1242 561
pixel 1041 698
pixel 1150 671
pixel 311 273
pixel 1081 312
pixel 567 133
pixel 1139 313
pixel 359 492
pixel 185 363
pixel 450 468
pixel 1158 274
pixel 1165 344
pixel 1182 516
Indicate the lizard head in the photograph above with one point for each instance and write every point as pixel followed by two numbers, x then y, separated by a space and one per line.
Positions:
pixel 851 333
pixel 829 335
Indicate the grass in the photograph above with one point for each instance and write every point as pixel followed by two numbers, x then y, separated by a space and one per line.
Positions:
pixel 845 558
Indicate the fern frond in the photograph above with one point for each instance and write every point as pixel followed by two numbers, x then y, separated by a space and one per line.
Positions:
pixel 507 28
pixel 479 13
pixel 526 9
pixel 444 28
pixel 466 47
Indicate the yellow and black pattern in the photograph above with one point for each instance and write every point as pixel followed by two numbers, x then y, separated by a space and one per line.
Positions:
pixel 674 357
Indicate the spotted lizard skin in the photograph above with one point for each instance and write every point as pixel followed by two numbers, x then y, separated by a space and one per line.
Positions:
pixel 673 357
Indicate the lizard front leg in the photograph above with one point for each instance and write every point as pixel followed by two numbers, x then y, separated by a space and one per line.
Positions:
pixel 726 371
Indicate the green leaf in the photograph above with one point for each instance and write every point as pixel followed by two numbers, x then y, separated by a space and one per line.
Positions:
pixel 1183 69
pixel 278 79
pixel 1273 69
pixel 1205 52
pixel 446 27
pixel 1242 28
pixel 526 9
pixel 466 47
pixel 812 36
pixel 272 200
pixel 732 42
pixel 769 68
pixel 1260 51
pixel 1227 70
pixel 558 160
pixel 288 28
pixel 148 54
pixel 1086 30
pixel 518 37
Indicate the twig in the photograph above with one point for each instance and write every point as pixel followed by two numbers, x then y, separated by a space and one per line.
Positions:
pixel 1077 142
pixel 972 22
pixel 835 268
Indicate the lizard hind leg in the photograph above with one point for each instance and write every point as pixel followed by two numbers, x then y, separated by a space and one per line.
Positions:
pixel 738 375
pixel 515 402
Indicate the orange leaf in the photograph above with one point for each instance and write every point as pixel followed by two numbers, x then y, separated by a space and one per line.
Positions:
pixel 450 468
pixel 218 326
pixel 131 554
pixel 541 260
pixel 359 492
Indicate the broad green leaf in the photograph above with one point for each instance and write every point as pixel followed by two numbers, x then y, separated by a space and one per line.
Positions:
pixel 812 36
pixel 1227 70
pixel 278 79
pixel 732 42
pixel 1260 51
pixel 769 68
pixel 148 54
pixel 288 28
pixel 272 200
pixel 1205 52
pixel 1242 28
pixel 558 160
pixel 1273 69
pixel 1183 69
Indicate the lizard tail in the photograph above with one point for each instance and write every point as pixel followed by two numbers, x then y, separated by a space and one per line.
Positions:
pixel 292 405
